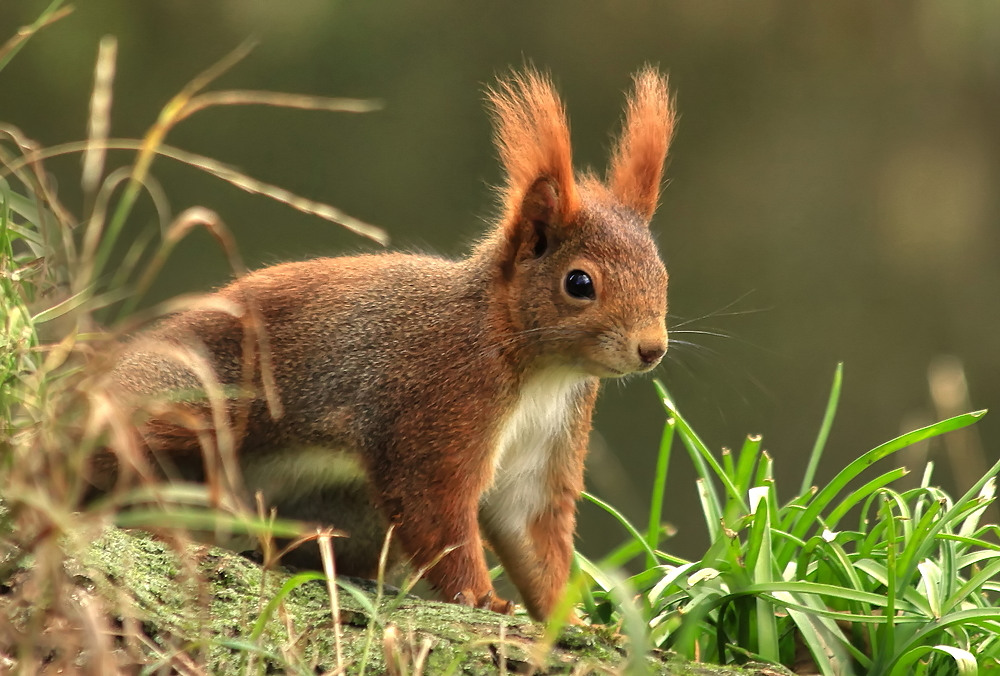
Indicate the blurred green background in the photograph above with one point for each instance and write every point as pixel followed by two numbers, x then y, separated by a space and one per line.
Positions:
pixel 833 186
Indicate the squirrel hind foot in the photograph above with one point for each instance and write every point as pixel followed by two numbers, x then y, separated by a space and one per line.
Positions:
pixel 487 601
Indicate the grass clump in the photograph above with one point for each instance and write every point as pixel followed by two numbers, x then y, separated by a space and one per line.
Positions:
pixel 68 275
pixel 907 588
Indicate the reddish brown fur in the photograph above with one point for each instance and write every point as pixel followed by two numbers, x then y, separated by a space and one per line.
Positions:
pixel 463 389
pixel 532 137
pixel 636 167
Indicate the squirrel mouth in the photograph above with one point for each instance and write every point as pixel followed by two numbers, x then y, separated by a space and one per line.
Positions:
pixel 605 371
pixel 602 370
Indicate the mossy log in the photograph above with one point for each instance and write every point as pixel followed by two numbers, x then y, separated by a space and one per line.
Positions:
pixel 208 611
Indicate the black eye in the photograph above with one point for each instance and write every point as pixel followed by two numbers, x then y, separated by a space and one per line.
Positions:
pixel 579 285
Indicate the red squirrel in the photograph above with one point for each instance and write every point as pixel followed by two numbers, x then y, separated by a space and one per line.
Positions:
pixel 451 398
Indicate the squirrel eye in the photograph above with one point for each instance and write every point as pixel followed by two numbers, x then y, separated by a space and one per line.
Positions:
pixel 579 285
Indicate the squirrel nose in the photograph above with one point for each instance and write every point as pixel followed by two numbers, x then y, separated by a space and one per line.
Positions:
pixel 652 353
pixel 651 344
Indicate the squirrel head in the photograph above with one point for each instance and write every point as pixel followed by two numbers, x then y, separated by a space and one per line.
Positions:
pixel 583 280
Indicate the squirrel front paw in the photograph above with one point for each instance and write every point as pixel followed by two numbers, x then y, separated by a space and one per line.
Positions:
pixel 487 601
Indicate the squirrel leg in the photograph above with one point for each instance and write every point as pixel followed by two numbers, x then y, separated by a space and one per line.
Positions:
pixel 537 555
pixel 534 539
pixel 447 543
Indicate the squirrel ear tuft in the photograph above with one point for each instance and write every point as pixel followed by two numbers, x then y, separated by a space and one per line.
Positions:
pixel 637 162
pixel 532 138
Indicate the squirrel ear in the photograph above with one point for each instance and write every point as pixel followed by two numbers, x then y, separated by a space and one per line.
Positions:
pixel 534 228
pixel 637 162
pixel 532 138
pixel 541 203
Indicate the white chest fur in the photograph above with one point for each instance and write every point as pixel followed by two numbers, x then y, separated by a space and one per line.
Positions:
pixel 527 441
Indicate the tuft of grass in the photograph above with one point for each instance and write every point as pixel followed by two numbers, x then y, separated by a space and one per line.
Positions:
pixel 909 587
pixel 61 279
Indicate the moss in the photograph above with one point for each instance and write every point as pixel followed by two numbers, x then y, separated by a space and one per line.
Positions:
pixel 205 601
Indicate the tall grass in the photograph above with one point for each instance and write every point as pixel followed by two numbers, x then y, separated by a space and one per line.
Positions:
pixel 60 268
pixel 907 586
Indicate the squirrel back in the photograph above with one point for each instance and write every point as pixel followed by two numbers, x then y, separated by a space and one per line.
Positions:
pixel 452 398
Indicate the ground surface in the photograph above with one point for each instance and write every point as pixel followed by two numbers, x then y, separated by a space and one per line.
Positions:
pixel 208 611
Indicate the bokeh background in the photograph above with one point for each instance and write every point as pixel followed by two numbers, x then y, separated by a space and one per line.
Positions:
pixel 834 187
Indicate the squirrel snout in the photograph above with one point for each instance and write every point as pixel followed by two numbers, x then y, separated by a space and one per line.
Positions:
pixel 650 354
pixel 651 346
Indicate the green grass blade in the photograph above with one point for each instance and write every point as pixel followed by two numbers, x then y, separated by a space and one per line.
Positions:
pixel 29 31
pixel 856 496
pixel 824 429
pixel 590 609
pixel 842 566
pixel 980 489
pixel 819 590
pixel 889 637
pixel 968 504
pixel 26 208
pixel 359 595
pixel 659 488
pixel 596 572
pixel 207 521
pixel 919 541
pixel 290 585
pixel 633 625
pixel 749 454
pixel 765 470
pixel 986 618
pixel 971 587
pixel 29 235
pixel 790 512
pixel 688 639
pixel 68 305
pixel 965 662
pixel 760 541
pixel 821 635
pixel 625 552
pixel 728 463
pixel 709 509
pixel 839 483
pixel 623 521
pixel 981 485
pixel 671 577
pixel 915 602
pixel 991 551
pixel 987 494
pixel 700 454
pixel 930 585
